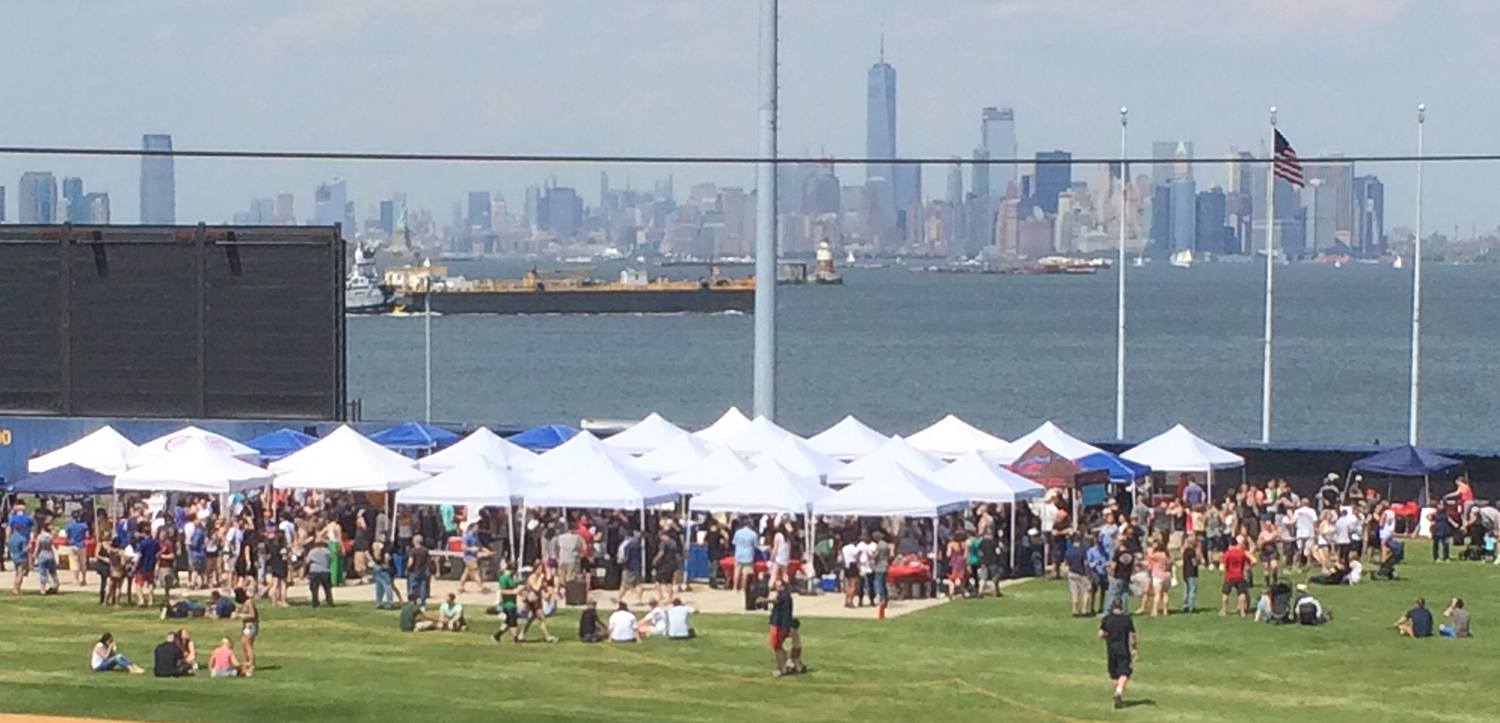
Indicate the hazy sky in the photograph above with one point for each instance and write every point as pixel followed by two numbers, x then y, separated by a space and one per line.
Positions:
pixel 679 77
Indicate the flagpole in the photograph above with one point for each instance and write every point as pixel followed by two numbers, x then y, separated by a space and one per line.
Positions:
pixel 1120 348
pixel 1416 291
pixel 1265 393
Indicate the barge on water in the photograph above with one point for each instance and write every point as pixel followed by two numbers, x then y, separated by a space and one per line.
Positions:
pixel 421 287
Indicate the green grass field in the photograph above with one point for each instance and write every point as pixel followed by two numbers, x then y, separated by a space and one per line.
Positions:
pixel 1020 658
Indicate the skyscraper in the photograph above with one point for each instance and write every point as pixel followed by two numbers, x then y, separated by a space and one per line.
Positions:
pixel 1213 232
pixel 158 182
pixel 880 137
pixel 286 214
pixel 1369 226
pixel 387 217
pixel 97 204
pixel 38 198
pixel 997 132
pixel 262 211
pixel 1171 161
pixel 479 210
pixel 329 201
pixel 74 209
pixel 1052 178
pixel 1184 219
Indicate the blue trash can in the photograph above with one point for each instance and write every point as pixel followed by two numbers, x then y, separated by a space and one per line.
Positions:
pixel 697 563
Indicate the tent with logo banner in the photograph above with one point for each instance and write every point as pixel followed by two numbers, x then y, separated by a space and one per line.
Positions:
pixel 651 433
pixel 847 440
pixel 170 441
pixel 1049 434
pixel 952 437
pixel 194 466
pixel 104 450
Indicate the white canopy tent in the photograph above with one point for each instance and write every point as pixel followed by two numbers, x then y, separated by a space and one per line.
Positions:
pixel 1049 434
pixel 168 442
pixel 348 461
pixel 482 445
pixel 194 466
pixel 758 436
pixel 726 426
pixel 104 450
pixel 952 437
pixel 799 458
pixel 709 473
pixel 578 451
pixel 767 489
pixel 651 433
pixel 604 482
pixel 895 451
pixel 339 445
pixel 984 481
pixel 675 456
pixel 479 483
pixel 1179 450
pixel 847 440
pixel 893 491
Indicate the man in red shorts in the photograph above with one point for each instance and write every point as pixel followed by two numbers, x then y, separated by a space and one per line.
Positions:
pixel 781 624
pixel 1235 562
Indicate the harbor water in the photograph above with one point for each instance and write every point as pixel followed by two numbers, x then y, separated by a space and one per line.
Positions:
pixel 900 348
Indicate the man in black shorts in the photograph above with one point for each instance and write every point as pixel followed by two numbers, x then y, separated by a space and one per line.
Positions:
pixel 668 560
pixel 1117 631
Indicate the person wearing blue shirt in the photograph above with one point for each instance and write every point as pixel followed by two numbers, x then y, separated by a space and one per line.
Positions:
pixel 1417 622
pixel 18 542
pixel 1097 559
pixel 744 541
pixel 77 532
pixel 1108 532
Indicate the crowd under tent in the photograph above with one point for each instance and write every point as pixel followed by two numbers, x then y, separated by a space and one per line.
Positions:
pixel 847 440
pixel 194 466
pixel 952 437
pixel 104 450
pixel 414 436
pixel 984 481
pixel 1179 450
pixel 170 441
pixel 675 456
pixel 482 445
pixel 545 437
pixel 280 443
pixel 727 425
pixel 647 435
pixel 478 483
pixel 603 483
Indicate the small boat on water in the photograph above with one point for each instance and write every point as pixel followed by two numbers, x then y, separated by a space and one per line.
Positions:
pixel 1182 258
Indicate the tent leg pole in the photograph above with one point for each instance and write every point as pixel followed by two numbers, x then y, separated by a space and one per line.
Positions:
pixel 807 551
pixel 510 521
pixel 1012 538
pixel 643 542
pixel 934 554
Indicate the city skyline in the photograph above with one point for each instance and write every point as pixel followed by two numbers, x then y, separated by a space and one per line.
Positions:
pixel 702 83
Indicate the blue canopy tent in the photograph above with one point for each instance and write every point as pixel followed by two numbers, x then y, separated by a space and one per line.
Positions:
pixel 546 436
pixel 1121 471
pixel 414 435
pixel 280 443
pixel 69 479
pixel 1406 461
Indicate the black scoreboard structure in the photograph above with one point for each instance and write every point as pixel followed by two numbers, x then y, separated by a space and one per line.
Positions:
pixel 219 322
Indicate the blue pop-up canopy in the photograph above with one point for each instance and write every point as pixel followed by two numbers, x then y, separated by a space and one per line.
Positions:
pixel 546 436
pixel 1407 461
pixel 280 443
pixel 1120 469
pixel 69 479
pixel 414 435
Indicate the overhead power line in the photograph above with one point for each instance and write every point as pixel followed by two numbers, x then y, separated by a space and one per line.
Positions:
pixel 691 160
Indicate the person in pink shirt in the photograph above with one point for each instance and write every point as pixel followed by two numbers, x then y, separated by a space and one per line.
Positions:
pixel 222 663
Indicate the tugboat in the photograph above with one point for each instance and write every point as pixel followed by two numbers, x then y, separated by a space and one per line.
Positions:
pixel 363 292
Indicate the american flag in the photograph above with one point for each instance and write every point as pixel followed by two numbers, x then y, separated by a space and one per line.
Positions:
pixel 1286 165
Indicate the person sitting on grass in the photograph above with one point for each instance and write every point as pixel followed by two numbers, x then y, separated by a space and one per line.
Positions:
pixel 168 661
pixel 679 621
pixel 189 649
pixel 413 618
pixel 1416 622
pixel 623 627
pixel 589 629
pixel 222 607
pixel 222 663
pixel 654 622
pixel 105 658
pixel 1459 617
pixel 451 614
pixel 1309 610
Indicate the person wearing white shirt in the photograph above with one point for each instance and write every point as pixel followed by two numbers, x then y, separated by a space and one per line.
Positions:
pixel 1356 571
pixel 850 558
pixel 1387 524
pixel 1304 524
pixel 622 625
pixel 679 621
pixel 867 553
pixel 655 621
